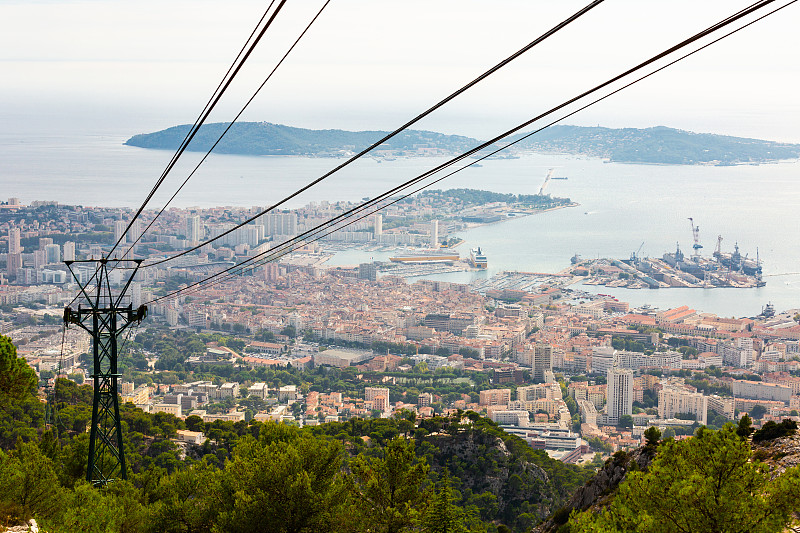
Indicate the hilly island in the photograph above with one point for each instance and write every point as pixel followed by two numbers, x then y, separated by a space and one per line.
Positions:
pixel 657 145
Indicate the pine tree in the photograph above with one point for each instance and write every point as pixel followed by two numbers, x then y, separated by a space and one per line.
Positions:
pixel 391 487
pixel 706 483
pixel 442 514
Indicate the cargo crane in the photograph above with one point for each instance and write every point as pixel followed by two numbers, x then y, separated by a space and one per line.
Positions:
pixel 635 255
pixel 718 252
pixel 547 179
pixel 696 236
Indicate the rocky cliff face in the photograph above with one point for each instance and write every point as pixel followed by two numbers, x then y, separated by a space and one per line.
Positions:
pixel 779 453
pixel 598 491
pixel 30 527
pixel 485 465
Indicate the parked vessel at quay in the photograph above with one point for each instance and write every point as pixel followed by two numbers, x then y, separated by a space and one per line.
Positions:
pixel 436 257
pixel 477 259
pixel 735 261
pixel 676 270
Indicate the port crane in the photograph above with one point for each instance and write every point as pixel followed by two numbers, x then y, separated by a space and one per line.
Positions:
pixel 550 174
pixel 696 236
pixel 635 255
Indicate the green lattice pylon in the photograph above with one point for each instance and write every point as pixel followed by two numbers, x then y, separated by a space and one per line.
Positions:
pixel 104 318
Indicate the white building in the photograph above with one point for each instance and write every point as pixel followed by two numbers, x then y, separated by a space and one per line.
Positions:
pixel 287 393
pixel 170 408
pixel 619 393
pixel 53 253
pixel 119 231
pixel 518 418
pixel 229 390
pixel 69 251
pixel 258 390
pixel 672 401
pixel 588 412
pixel 758 390
pixel 602 359
pixel 379 397
pixel 194 229
pixel 542 361
pixel 14 236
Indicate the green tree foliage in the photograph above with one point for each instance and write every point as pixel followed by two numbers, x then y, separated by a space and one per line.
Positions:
pixel 710 386
pixel 116 507
pixel 29 483
pixel 442 515
pixel 284 481
pixel 630 345
pixel 652 436
pixel 21 413
pixel 706 483
pixel 183 501
pixel 19 380
pixel 599 445
pixel 771 430
pixel 758 411
pixel 265 477
pixel 289 331
pixel 745 427
pixel 391 487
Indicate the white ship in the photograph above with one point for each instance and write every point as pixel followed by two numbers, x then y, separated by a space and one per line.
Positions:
pixel 477 259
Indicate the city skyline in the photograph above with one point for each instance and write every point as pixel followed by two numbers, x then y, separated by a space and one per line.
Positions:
pixel 281 351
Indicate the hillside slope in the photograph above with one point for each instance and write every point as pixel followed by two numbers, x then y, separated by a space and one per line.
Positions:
pixel 714 481
pixel 658 145
pixel 264 138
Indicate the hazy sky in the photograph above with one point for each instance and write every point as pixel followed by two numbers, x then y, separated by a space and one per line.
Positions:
pixel 130 66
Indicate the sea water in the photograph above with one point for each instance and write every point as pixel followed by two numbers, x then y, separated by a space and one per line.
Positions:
pixel 622 207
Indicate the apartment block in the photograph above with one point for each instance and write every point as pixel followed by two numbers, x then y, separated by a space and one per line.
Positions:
pixel 495 397
pixel 672 401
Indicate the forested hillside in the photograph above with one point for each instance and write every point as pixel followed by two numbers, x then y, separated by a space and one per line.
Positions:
pixel 458 473
pixel 263 138
pixel 395 474
pixel 659 145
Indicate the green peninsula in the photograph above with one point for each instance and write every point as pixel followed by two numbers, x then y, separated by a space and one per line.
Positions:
pixel 658 145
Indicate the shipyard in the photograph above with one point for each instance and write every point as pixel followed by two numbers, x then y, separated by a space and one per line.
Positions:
pixel 674 269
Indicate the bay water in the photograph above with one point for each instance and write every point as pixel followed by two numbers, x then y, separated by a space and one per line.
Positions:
pixel 622 206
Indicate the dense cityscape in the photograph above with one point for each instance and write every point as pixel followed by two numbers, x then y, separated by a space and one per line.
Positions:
pixel 571 372
pixel 415 267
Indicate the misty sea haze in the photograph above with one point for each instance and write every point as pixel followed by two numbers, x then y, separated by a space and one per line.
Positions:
pixel 621 205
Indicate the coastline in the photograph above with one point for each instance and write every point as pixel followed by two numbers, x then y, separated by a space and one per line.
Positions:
pixel 514 155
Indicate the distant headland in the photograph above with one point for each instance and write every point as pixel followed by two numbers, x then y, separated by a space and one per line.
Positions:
pixel 658 145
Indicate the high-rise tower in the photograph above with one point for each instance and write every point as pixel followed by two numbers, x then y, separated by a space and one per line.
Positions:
pixel 619 393
pixel 193 229
pixel 435 233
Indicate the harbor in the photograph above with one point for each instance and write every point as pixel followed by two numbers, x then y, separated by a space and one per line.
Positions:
pixel 520 282
pixel 673 269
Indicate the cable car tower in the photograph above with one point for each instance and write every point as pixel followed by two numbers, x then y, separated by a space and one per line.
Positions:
pixel 102 314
